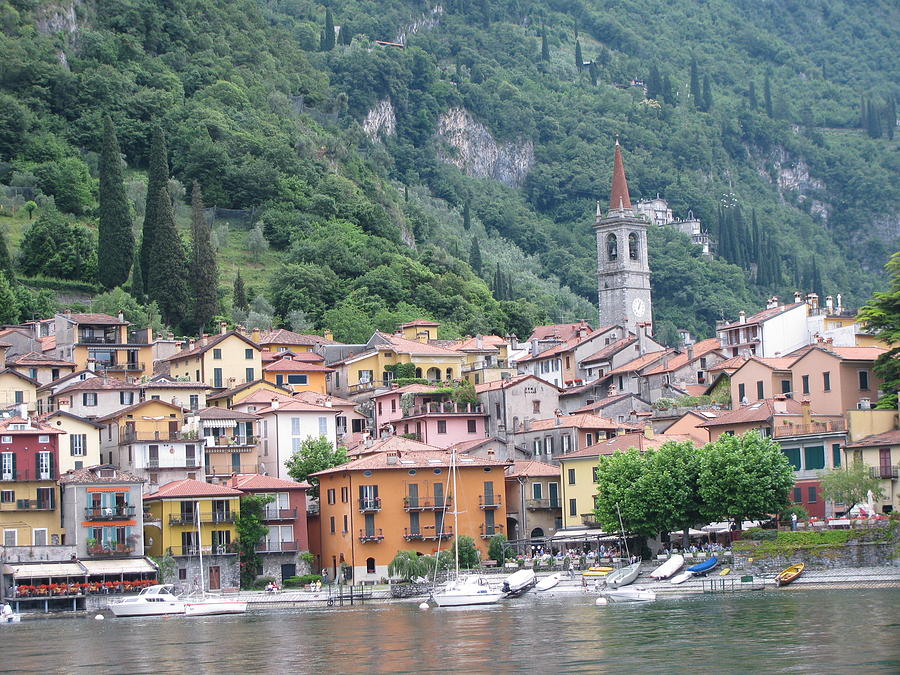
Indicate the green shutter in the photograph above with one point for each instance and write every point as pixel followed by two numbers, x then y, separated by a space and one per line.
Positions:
pixel 793 455
pixel 836 455
pixel 815 457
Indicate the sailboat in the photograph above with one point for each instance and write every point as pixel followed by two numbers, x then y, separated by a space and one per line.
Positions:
pixel 471 589
pixel 209 605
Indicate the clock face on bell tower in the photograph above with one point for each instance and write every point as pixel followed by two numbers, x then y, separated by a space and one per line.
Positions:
pixel 638 307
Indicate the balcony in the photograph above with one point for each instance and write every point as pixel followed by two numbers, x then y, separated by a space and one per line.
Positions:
pixel 370 504
pixel 427 533
pixel 372 536
pixel 274 513
pixel 27 475
pixel 312 508
pixel 483 365
pixel 489 501
pixel 446 408
pixel 488 531
pixel 109 550
pixel 589 520
pixel 189 463
pixel 884 472
pixel 191 518
pixel 277 546
pixel 108 512
pixel 230 441
pixel 123 367
pixel 229 469
pixel 128 435
pixel 33 505
pixel 220 549
pixel 538 504
pixel 427 503
pixel 785 430
pixel 368 386
pixel 92 339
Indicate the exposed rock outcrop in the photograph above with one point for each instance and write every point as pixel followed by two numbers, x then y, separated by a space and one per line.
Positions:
pixel 381 120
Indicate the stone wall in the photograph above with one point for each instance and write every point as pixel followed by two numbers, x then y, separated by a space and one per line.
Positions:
pixel 25 554
pixel 229 571
pixel 272 562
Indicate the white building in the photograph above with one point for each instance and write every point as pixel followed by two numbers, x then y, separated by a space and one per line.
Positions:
pixel 284 425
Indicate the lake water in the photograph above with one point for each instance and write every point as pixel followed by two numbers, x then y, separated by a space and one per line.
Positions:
pixel 792 630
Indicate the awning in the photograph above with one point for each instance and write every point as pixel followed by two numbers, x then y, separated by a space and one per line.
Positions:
pixel 124 566
pixel 692 533
pixel 582 535
pixel 219 424
pixel 725 526
pixel 43 570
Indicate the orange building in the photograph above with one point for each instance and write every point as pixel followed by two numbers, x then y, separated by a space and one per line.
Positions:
pixel 404 500
pixel 297 372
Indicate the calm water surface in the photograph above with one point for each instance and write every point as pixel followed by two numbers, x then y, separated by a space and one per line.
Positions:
pixel 795 630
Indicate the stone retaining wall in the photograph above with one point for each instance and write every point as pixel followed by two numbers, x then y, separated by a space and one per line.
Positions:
pixel 853 554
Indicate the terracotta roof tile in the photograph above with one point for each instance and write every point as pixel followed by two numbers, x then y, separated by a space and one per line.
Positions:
pixel 532 468
pixel 316 398
pixel 419 322
pixel 886 438
pixel 211 342
pixel 187 488
pixel 100 384
pixel 420 459
pixel 292 366
pixel 759 411
pixel 510 382
pixel 94 319
pixel 269 387
pixel 489 343
pixel 398 443
pixel 282 336
pixel 253 481
pixel 680 360
pixel 579 421
pixel 131 408
pixel 732 364
pixel 36 427
pixel 611 349
pixel 602 403
pixel 642 362
pixel 561 331
pixel 293 405
pixel 857 353
pixel 624 442
pixel 39 359
pixel 762 316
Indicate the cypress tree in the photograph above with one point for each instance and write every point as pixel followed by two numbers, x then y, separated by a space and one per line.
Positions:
pixel 592 71
pixel 873 123
pixel 545 48
pixel 891 117
pixel 707 94
pixel 115 247
pixel 239 294
pixel 767 96
pixel 157 179
pixel 137 277
pixel 654 83
pixel 328 33
pixel 9 303
pixel 754 103
pixel 579 60
pixel 668 92
pixel 167 283
pixel 467 213
pixel 696 94
pixel 475 256
pixel 204 275
pixel 6 264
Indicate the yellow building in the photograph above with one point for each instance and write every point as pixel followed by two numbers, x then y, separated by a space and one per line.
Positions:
pixel 578 471
pixel 222 361
pixel 174 509
pixel 16 388
pixel 881 453
pixel 487 358
pixel 107 342
pixel 282 340
pixel 40 367
pixel 80 447
pixel 232 397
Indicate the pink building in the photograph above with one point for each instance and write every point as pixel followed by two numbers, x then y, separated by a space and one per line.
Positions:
pixel 427 414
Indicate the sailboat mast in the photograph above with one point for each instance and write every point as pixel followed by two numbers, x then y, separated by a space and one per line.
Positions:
pixel 622 530
pixel 200 550
pixel 455 511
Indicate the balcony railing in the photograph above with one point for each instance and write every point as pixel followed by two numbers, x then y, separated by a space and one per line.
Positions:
pixel 884 472
pixel 108 512
pixel 368 386
pixel 191 518
pixel 27 474
pixel 98 339
pixel 127 435
pixel 33 505
pixel 589 520
pixel 370 504
pixel 489 501
pixel 783 430
pixel 274 513
pixel 488 531
pixel 277 546
pixel 230 441
pixel 536 504
pixel 427 533
pixel 446 408
pixel 483 365
pixel 189 463
pixel 108 551
pixel 130 365
pixel 219 549
pixel 228 469
pixel 371 536
pixel 426 503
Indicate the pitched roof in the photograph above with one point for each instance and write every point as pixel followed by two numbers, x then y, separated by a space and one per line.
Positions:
pixel 579 421
pixel 677 361
pixel 489 343
pixel 295 405
pixel 292 366
pixel 269 387
pixel 36 427
pixel 731 364
pixel 224 414
pixel 105 473
pixel 282 336
pixel 187 488
pixel 772 362
pixel 316 398
pixel 602 403
pixel 94 319
pixel 531 468
pixel 210 343
pixel 418 459
pixel 21 376
pixel 131 408
pixel 624 442
pixel 403 346
pixel 255 481
pixel 886 438
pixel 618 195
pixel 263 396
pixel 164 382
pixel 611 349
pixel 306 357
pixel 419 322
pixel 565 346
pixel 509 382
pixel 88 374
pixel 857 353
pixel 38 359
pixel 65 413
pixel 762 316
pixel 759 411
pixel 560 331
pixel 467 446
pixel 99 383
pixel 641 362
pixel 398 443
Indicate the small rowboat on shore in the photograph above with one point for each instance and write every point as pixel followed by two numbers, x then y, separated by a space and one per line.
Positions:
pixel 789 574
pixel 597 571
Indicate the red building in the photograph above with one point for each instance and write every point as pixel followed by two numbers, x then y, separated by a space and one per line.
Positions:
pixel 285 515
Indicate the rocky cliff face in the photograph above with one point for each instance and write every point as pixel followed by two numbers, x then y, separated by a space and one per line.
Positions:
pixel 381 120
pixel 467 144
pixel 792 176
pixel 424 21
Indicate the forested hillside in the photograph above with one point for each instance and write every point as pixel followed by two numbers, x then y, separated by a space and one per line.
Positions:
pixel 358 184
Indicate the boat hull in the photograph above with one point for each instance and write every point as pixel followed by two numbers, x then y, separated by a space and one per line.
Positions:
pixel 629 595
pixel 789 574
pixel 623 576
pixel 547 583
pixel 681 578
pixel 465 599
pixel 10 618
pixel 668 568
pixel 212 608
pixel 704 567
pixel 141 609
pixel 519 582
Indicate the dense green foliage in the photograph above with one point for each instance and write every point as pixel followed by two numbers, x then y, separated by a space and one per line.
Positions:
pixel 882 315
pixel 315 454
pixel 54 246
pixel 115 249
pixel 167 281
pixel 203 271
pixel 851 485
pixel 251 528
pixel 261 103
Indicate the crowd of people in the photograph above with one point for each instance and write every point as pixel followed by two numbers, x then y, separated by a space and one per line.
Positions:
pixel 706 547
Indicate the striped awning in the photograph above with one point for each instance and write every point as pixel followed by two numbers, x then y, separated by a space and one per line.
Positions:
pixel 122 566
pixel 219 424
pixel 44 570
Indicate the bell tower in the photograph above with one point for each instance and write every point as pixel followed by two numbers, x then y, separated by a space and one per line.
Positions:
pixel 623 269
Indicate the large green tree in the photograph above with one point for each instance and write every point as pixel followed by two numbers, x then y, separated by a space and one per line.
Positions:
pixel 851 485
pixel 315 454
pixel 744 477
pixel 157 179
pixel 167 280
pixel 882 315
pixel 115 250
pixel 9 306
pixel 619 477
pixel 251 529
pixel 203 271
pixel 6 263
pixel 670 487
pixel 55 247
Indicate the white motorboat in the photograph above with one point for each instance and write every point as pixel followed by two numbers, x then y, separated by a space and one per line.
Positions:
pixel 549 582
pixel 669 567
pixel 7 615
pixel 467 590
pixel 623 576
pixel 629 594
pixel 210 606
pixel 681 578
pixel 519 582
pixel 151 601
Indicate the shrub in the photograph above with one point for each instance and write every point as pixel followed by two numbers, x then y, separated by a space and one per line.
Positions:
pixel 261 582
pixel 299 582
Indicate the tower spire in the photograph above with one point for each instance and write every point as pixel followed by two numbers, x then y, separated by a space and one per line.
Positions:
pixel 618 197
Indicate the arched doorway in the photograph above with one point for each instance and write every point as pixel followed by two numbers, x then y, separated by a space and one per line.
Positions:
pixel 370 565
pixel 537 533
pixel 512 528
pixel 434 374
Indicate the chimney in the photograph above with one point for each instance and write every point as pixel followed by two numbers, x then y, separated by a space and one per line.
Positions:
pixel 642 338
pixel 648 431
pixel 742 317
pixel 92 365
pixel 779 404
pixel 513 341
pixel 772 303
pixel 840 307
pixel 534 347
pixel 204 339
pixel 798 296
pixel 392 457
pixel 620 431
pixel 813 300
pixel 121 315
pixel 223 327
pixel 806 411
pixel 490 454
pixel 479 341
pixel 275 403
pixel 327 334
pixel 690 353
pixel 255 335
pixel 191 343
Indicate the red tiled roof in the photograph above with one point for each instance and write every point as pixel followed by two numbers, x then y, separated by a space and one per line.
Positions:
pixel 282 336
pixel 886 438
pixel 565 346
pixel 38 359
pixel 531 468
pixel 618 195
pixel 579 421
pixel 306 357
pixel 131 408
pixel 254 481
pixel 680 360
pixel 419 322
pixel 641 362
pixel 759 411
pixel 602 403
pixel 609 350
pixel 269 387
pixel 857 353
pixel 489 343
pixel 187 488
pixel 762 316
pixel 293 366
pixel 403 346
pixel 561 331
pixel 420 459
pixel 265 396
pixel 624 442
pixel 293 405
pixel 507 383
pixel 225 414
pixel 399 443
pixel 37 427
pixel 316 398
pixel 732 364
pixel 94 319
pixel 100 383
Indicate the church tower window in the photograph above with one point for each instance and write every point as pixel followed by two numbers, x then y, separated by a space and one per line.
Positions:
pixel 633 246
pixel 612 247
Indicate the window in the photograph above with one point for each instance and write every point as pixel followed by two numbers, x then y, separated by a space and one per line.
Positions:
pixel 573 507
pixel 380 408
pixel 365 376
pixel 566 443
pixel 332 524
pixel 537 446
pixel 811 494
pixel 370 565
pixel 589 438
pixel 836 455
pixel 826 381
pixel 814 457
pixel 194 401
pixel 43 438
pixel 548 445
pixel 248 374
pixel 805 379
pixel 89 399
pixel 472 426
pixel 798 495
pixel 323 426
pixel 864 380
pixel 567 363
pixel 346 524
pixel 217 377
pixel 760 390
pixel 571 475
pixel 612 247
pixel 633 246
pixel 5 439
pixel 248 353
pixel 126 397
pixel 345 494
pixel 442 426
pixel 793 455
pixel 217 354
pixel 20 396
pixel 182 573
pixel 594 476
pixel 77 445
pixel 537 490
pixel 331 496
pixel 393 405
pixel 32 373
pixel 7 496
pixel 536 407
pixel 785 386
pixel 741 392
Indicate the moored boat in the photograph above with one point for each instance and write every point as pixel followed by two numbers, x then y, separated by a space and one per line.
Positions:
pixel 669 567
pixel 597 571
pixel 467 590
pixel 151 601
pixel 681 578
pixel 789 574
pixel 725 572
pixel 629 594
pixel 211 606
pixel 8 616
pixel 549 582
pixel 519 582
pixel 705 567
pixel 624 575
